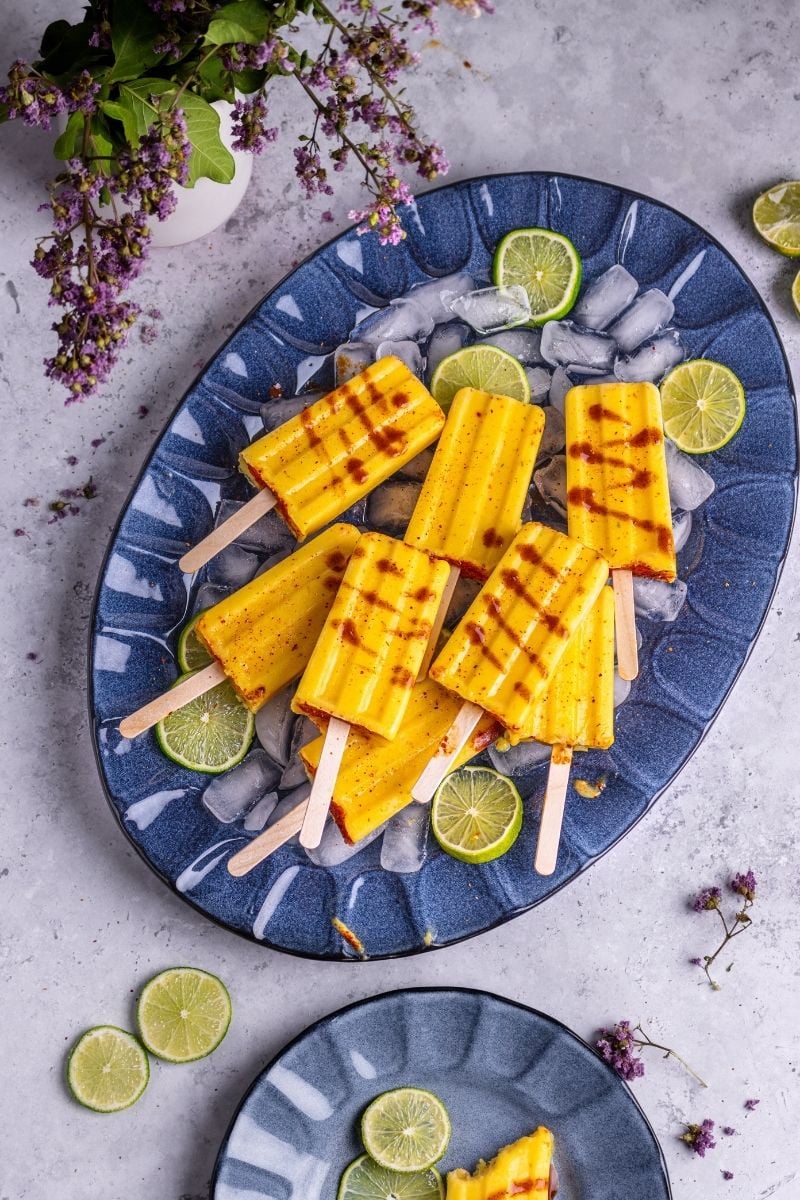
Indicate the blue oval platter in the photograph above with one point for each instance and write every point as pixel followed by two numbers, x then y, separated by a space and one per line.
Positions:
pixel 733 508
pixel 500 1068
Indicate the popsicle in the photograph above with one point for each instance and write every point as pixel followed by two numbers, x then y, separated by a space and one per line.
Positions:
pixel 471 502
pixel 331 454
pixel 524 1167
pixel 576 711
pixel 617 492
pixel 368 654
pixel 508 644
pixel 262 635
pixel 376 775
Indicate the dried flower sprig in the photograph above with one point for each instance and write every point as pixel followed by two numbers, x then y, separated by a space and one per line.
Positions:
pixel 621 1049
pixel 700 1138
pixel 135 82
pixel 709 899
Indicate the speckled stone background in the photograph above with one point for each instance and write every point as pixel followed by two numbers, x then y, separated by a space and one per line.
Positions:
pixel 695 103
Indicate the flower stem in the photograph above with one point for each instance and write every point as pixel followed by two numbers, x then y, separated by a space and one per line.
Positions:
pixel 669 1053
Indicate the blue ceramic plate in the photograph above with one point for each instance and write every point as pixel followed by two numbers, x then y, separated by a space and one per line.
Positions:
pixel 500 1068
pixel 730 563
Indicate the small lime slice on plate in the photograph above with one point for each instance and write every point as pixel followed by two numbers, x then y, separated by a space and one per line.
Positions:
pixel 192 654
pixel 484 367
pixel 796 293
pixel 546 264
pixel 406 1129
pixel 364 1179
pixel 703 405
pixel 210 734
pixel 476 814
pixel 107 1069
pixel 776 216
pixel 183 1014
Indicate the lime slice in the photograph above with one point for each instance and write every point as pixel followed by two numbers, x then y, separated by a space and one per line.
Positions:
pixel 796 293
pixel 476 814
pixel 406 1129
pixel 183 1014
pixel 546 264
pixel 485 367
pixel 107 1069
pixel 703 405
pixel 776 216
pixel 210 734
pixel 364 1179
pixel 192 654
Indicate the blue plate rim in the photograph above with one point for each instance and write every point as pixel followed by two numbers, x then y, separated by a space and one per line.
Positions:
pixel 440 991
pixel 506 917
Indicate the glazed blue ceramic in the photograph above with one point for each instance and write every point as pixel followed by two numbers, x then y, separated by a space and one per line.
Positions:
pixel 500 1068
pixel 730 564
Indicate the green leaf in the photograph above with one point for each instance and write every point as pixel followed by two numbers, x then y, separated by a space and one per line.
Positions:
pixel 209 159
pixel 134 30
pixel 101 144
pixel 65 49
pixel 138 110
pixel 215 81
pixel 67 144
pixel 244 21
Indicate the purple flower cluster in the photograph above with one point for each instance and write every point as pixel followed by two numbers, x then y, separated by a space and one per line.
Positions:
pixel 242 57
pixel 744 884
pixel 30 97
pixel 81 93
pixel 700 1138
pixel 707 899
pixel 619 1048
pixel 250 131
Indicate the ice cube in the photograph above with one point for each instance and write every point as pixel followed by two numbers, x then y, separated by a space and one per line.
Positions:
pixel 554 436
pixel 435 297
pixel 295 773
pixel 518 759
pixel 408 353
pixel 622 689
pixel 277 412
pixel 207 595
pixel 390 506
pixel 333 849
pixel 491 309
pixel 689 484
pixel 260 813
pixel 551 483
pixel 284 806
pixel 605 298
pixel 524 344
pixel 419 465
pixel 228 797
pixel 267 535
pixel 539 383
pixel 350 359
pixel 232 567
pixel 566 344
pixel 559 386
pixel 274 724
pixel 405 840
pixel 445 340
pixel 657 600
pixel 652 360
pixel 651 312
pixel 681 528
pixel 400 320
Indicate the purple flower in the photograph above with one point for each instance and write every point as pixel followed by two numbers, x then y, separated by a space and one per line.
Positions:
pixel 327 215
pixel 250 131
pixel 618 1047
pixel 700 1138
pixel 707 899
pixel 30 96
pixel 696 962
pixel 80 93
pixel 744 884
pixel 728 1130
pixel 727 1174
pixel 751 1105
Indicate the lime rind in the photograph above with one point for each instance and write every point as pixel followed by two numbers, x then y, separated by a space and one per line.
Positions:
pixel 776 216
pixel 183 1014
pixel 476 814
pixel 364 1179
pixel 406 1129
pixel 703 405
pixel 487 368
pixel 107 1069
pixel 211 734
pixel 796 293
pixel 546 264
pixel 191 652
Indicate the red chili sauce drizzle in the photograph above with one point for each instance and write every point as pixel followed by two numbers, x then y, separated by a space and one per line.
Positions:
pixel 348 631
pixel 492 538
pixel 585 498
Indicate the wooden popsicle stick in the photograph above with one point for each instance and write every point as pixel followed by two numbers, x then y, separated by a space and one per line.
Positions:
pixel 625 625
pixel 268 842
pixel 553 810
pixel 439 619
pixel 258 506
pixel 319 801
pixel 150 714
pixel 452 744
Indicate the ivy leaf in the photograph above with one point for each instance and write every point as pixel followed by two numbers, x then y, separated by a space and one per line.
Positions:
pixel 244 21
pixel 67 144
pixel 209 159
pixel 133 33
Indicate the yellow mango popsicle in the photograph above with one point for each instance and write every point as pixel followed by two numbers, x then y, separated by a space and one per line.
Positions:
pixel 337 450
pixel 263 634
pixel 471 502
pixel 523 1168
pixel 373 641
pixel 376 776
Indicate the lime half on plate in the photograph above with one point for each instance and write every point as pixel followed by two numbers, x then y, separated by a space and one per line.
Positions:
pixel 703 405
pixel 192 654
pixel 546 264
pixel 476 814
pixel 364 1179
pixel 210 734
pixel 407 1129
pixel 107 1069
pixel 484 367
pixel 183 1014
pixel 776 216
